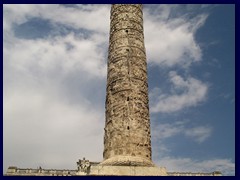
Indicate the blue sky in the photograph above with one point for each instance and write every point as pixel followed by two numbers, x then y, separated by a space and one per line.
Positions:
pixel 55 67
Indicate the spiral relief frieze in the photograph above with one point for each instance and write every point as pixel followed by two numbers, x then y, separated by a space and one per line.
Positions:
pixel 127 139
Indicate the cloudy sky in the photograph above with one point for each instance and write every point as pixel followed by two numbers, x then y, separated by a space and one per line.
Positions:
pixel 54 74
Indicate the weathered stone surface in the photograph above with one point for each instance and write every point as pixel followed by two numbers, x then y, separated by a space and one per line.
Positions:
pixel 128 171
pixel 127 139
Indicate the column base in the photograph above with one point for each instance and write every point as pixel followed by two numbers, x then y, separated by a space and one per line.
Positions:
pixel 127 161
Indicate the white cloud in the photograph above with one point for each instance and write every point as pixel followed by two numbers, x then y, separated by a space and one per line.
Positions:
pixel 200 133
pixel 162 152
pixel 46 55
pixel 226 166
pixel 73 17
pixel 164 131
pixel 51 92
pixel 40 126
pixel 167 130
pixel 192 91
pixel 51 53
pixel 178 45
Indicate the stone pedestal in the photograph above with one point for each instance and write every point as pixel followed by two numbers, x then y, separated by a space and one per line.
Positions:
pixel 127 171
pixel 127 161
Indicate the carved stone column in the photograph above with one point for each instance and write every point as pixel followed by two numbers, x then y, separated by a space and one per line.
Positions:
pixel 127 127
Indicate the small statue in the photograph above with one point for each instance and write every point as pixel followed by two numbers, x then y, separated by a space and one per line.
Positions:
pixel 40 169
pixel 83 165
